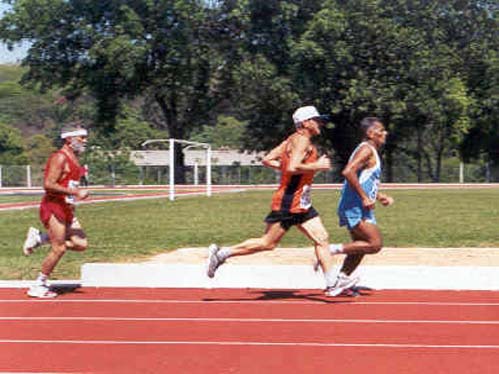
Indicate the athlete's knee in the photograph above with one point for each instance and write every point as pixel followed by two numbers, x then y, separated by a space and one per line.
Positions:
pixel 323 239
pixel 375 246
pixel 268 245
pixel 59 248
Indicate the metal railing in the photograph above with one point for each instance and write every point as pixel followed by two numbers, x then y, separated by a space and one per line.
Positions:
pixel 127 173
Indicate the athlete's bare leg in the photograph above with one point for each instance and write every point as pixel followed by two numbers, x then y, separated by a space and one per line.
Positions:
pixel 217 256
pixel 273 235
pixel 314 229
pixel 366 239
pixel 57 236
pixel 76 237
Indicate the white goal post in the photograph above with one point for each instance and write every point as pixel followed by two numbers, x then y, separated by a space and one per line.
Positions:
pixel 189 144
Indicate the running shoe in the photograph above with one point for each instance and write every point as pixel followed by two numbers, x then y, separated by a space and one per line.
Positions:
pixel 32 241
pixel 214 260
pixel 343 282
pixel 41 291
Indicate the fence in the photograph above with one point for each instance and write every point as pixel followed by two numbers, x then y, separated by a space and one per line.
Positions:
pixel 20 176
pixel 128 173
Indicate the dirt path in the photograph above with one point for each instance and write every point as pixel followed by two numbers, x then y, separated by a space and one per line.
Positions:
pixel 388 256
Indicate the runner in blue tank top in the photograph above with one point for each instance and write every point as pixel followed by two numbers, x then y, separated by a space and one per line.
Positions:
pixel 356 206
pixel 350 208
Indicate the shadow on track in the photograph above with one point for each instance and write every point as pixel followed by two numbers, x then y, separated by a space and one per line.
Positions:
pixel 64 288
pixel 309 295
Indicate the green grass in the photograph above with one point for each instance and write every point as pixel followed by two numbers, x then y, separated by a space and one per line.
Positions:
pixel 18 198
pixel 131 231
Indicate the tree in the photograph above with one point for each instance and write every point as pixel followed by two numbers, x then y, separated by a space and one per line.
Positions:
pixel 11 146
pixel 38 147
pixel 265 100
pixel 120 49
pixel 440 99
pixel 351 61
pixel 256 78
pixel 131 131
pixel 444 111
pixel 399 60
pixel 228 132
pixel 24 108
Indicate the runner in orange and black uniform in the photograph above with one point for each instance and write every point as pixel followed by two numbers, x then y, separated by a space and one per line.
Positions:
pixel 297 160
pixel 61 184
pixel 291 203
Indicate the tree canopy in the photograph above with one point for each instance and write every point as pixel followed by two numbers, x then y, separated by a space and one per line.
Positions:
pixel 429 69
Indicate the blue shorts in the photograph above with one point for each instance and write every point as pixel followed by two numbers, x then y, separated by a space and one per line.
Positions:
pixel 351 217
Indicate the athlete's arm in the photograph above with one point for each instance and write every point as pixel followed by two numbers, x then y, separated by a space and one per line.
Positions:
pixel 273 158
pixel 358 162
pixel 299 146
pixel 55 170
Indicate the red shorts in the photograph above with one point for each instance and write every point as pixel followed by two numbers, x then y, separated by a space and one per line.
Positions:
pixel 60 210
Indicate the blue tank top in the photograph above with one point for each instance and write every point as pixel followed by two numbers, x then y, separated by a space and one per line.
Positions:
pixel 369 181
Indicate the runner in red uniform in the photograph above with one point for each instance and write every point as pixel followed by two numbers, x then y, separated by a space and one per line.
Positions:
pixel 61 181
pixel 297 160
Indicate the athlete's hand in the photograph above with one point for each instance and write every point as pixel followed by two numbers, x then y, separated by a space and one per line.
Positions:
pixel 82 194
pixel 386 200
pixel 368 203
pixel 323 163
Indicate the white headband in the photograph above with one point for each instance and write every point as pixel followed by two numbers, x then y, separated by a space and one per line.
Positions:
pixel 79 132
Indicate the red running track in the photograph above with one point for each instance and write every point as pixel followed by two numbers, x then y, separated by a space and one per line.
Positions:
pixel 109 330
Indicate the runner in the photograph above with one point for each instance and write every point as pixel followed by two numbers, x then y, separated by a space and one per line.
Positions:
pixel 356 206
pixel 297 160
pixel 61 180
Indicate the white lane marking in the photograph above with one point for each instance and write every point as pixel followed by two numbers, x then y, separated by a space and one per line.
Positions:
pixel 251 320
pixel 253 343
pixel 324 302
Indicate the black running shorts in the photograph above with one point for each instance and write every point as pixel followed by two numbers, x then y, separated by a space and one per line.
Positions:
pixel 288 219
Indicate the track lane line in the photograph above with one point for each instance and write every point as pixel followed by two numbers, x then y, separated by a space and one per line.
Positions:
pixel 343 301
pixel 250 320
pixel 250 343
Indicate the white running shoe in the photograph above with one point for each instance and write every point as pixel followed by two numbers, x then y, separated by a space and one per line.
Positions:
pixel 214 260
pixel 41 291
pixel 343 282
pixel 32 241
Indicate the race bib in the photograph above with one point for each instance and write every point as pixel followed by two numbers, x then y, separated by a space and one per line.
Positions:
pixel 375 189
pixel 71 199
pixel 306 197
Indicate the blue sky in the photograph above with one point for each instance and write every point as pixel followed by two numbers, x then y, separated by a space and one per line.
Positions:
pixel 6 56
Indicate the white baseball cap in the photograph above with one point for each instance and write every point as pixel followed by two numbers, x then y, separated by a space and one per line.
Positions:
pixel 307 112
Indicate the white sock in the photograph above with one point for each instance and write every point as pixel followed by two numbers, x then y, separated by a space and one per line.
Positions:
pixel 330 278
pixel 41 279
pixel 336 248
pixel 224 253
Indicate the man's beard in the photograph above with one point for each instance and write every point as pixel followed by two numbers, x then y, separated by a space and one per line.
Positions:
pixel 78 147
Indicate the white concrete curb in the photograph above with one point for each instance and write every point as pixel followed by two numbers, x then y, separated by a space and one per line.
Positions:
pixel 286 276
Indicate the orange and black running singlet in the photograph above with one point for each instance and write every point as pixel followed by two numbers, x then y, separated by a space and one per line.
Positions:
pixel 293 194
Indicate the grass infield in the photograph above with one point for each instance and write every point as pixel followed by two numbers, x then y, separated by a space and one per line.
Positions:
pixel 133 231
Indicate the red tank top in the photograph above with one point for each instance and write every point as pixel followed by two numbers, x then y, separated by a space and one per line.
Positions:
pixel 69 178
pixel 293 194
